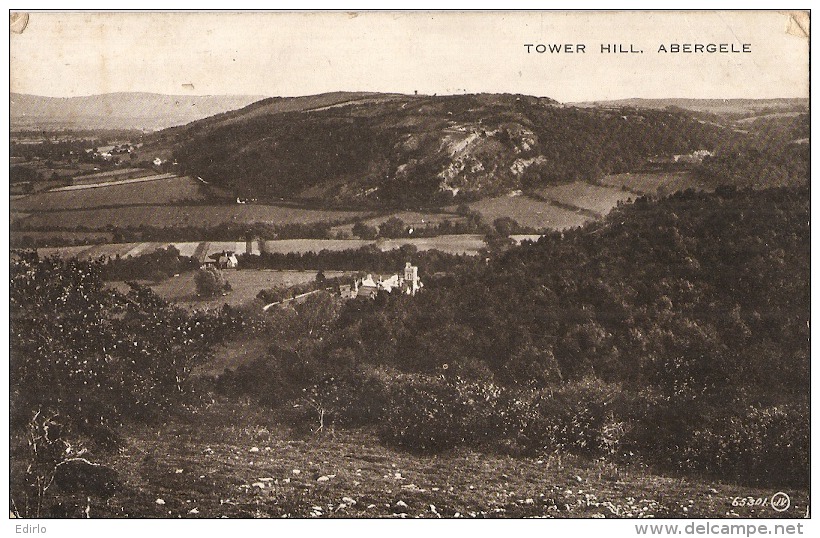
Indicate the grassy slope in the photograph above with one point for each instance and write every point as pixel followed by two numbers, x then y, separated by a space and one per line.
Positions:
pixel 202 465
pixel 245 285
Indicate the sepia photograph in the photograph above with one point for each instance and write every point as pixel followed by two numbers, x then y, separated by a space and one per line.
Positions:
pixel 411 264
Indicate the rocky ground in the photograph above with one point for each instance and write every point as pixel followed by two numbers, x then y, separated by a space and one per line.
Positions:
pixel 234 460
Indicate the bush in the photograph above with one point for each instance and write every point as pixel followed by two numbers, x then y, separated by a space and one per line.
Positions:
pixel 210 281
pixel 587 416
pixel 430 414
pixel 94 355
pixel 364 231
pixel 761 445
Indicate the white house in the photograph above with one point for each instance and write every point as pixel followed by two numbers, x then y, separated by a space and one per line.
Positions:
pixel 407 282
pixel 225 260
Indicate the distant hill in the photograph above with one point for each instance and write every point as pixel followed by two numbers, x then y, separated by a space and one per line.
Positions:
pixel 140 111
pixel 720 107
pixel 375 150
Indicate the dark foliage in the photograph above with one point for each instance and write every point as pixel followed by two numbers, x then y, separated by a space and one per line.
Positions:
pixel 157 265
pixel 96 356
pixel 673 331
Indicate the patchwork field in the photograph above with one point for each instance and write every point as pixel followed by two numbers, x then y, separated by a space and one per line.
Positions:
pixel 170 216
pixel 653 183
pixel 166 189
pixel 599 200
pixel 529 212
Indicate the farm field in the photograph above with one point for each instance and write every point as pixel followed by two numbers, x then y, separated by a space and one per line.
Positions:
pixel 453 244
pixel 71 236
pixel 245 285
pixel 116 180
pixel 163 216
pixel 529 212
pixel 599 200
pixel 112 175
pixel 410 218
pixel 141 191
pixel 653 183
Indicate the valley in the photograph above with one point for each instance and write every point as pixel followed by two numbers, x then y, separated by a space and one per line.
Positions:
pixel 603 290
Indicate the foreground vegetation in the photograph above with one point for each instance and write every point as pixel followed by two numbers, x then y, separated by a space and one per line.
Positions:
pixel 233 459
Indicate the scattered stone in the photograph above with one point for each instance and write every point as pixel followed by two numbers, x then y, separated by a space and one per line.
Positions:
pixel 400 507
pixel 193 511
pixel 160 502
pixel 579 479
pixel 349 501
pixel 208 450
pixel 323 478
pixel 260 485
pixel 529 501
pixel 254 449
pixel 369 506
pixel 266 479
pixel 398 476
pixel 177 471
pixel 713 491
pixel 286 480
pixel 297 472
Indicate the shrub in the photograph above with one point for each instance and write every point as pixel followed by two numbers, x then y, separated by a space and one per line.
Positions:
pixel 761 445
pixel 95 356
pixel 429 414
pixel 364 231
pixel 210 281
pixel 585 416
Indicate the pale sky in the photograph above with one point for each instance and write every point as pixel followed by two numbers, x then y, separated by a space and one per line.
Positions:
pixel 289 54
